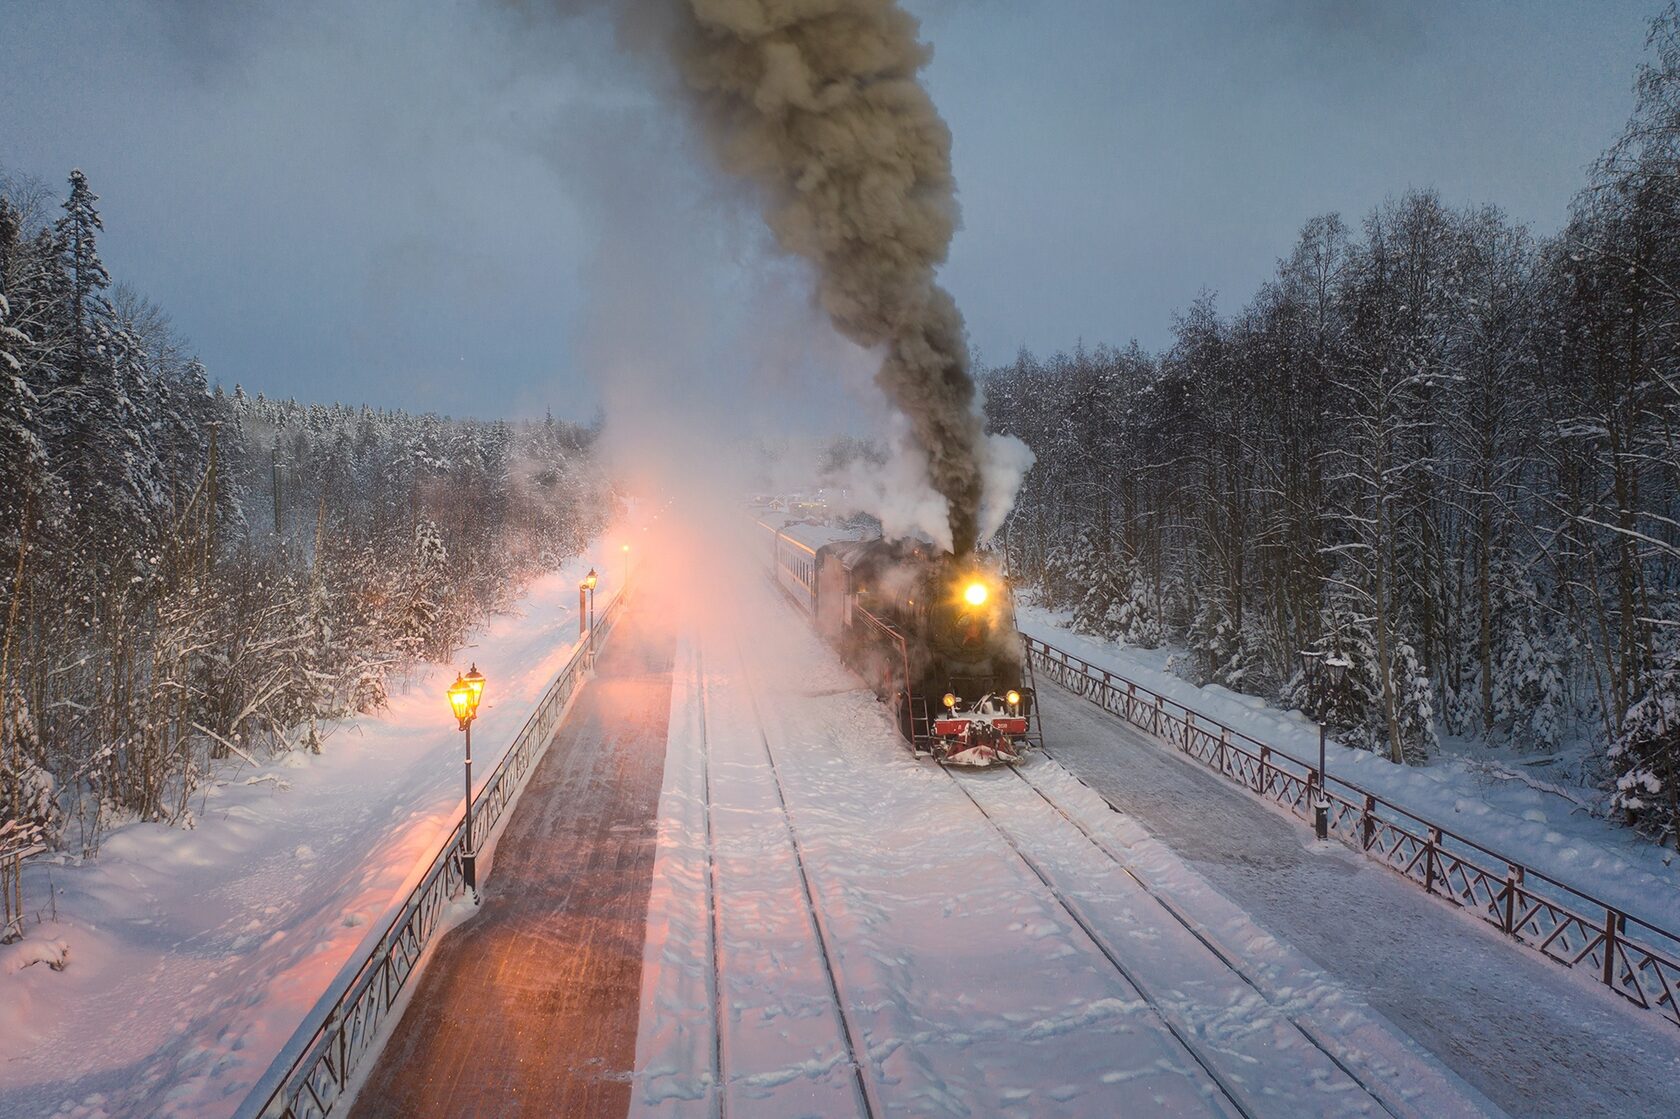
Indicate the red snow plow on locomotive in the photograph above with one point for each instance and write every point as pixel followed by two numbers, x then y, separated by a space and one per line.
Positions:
pixel 934 635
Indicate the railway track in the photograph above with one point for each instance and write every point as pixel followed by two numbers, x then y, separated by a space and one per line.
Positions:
pixel 1183 1031
pixel 868 1103
pixel 1217 1017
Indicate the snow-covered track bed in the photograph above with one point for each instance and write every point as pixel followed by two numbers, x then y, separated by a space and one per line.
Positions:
pixel 850 1034
pixel 1298 1046
pixel 838 928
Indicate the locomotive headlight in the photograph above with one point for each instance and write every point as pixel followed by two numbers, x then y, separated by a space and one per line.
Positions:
pixel 950 701
pixel 1014 698
pixel 975 594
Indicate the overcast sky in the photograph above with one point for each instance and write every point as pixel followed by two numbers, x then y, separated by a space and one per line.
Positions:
pixel 443 207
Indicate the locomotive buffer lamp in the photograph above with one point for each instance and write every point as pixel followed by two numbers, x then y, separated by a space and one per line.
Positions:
pixel 975 594
pixel 1315 666
pixel 464 695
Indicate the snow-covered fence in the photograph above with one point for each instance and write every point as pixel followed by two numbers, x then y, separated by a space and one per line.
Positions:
pixel 1638 960
pixel 309 1077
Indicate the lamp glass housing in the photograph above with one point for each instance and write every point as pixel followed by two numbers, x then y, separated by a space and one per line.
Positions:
pixel 461 700
pixel 1337 668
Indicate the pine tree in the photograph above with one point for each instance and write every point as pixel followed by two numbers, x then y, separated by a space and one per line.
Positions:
pixel 1646 757
pixel 77 232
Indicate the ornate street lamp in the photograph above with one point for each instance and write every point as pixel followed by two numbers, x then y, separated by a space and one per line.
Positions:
pixel 589 581
pixel 1315 666
pixel 587 588
pixel 626 550
pixel 464 696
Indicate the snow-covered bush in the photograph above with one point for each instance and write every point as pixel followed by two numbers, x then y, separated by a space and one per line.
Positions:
pixel 1356 709
pixel 1215 645
pixel 1646 758
pixel 1221 653
pixel 24 781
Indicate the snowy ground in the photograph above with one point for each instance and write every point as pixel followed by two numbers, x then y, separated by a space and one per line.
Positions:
pixel 193 954
pixel 837 928
pixel 1548 832
pixel 1536 1038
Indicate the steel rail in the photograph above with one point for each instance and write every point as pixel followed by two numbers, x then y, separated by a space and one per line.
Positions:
pixel 850 1032
pixel 1194 929
pixel 313 1071
pixel 716 991
pixel 1179 1034
pixel 1632 956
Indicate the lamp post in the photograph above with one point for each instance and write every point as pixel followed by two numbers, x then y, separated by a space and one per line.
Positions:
pixel 626 551
pixel 1316 666
pixel 589 582
pixel 464 696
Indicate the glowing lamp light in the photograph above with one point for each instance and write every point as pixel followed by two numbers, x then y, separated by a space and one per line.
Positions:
pixel 475 680
pixel 1014 698
pixel 975 594
pixel 950 701
pixel 591 579
pixel 625 549
pixel 461 699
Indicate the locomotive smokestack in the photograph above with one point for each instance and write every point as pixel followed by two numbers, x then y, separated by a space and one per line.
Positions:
pixel 819 105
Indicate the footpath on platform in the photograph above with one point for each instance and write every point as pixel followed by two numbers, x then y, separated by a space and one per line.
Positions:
pixel 530 1007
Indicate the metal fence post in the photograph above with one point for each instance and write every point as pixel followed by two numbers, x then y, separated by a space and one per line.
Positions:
pixel 1513 876
pixel 343 1050
pixel 1429 859
pixel 1368 823
pixel 1611 920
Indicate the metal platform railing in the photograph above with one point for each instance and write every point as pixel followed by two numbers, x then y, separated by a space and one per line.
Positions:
pixel 1635 958
pixel 309 1077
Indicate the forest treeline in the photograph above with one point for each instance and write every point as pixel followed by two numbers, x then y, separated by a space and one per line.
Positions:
pixel 1433 445
pixel 188 574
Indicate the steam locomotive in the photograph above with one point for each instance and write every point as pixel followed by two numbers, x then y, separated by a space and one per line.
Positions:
pixel 934 636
